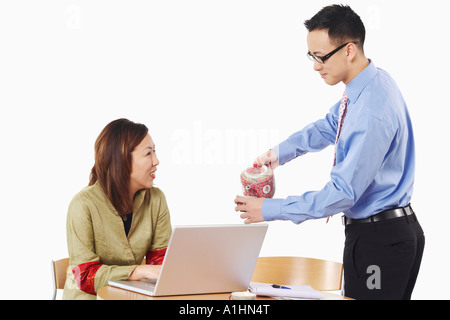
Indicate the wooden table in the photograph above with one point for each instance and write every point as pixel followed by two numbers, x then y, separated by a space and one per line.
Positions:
pixel 113 293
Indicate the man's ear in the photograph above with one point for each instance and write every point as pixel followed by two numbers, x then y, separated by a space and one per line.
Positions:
pixel 352 50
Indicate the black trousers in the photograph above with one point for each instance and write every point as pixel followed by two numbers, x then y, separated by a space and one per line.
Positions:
pixel 382 259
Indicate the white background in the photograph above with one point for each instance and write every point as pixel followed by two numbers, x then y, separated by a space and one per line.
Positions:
pixel 217 83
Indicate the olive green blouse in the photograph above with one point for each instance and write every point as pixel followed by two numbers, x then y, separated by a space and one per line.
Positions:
pixel 99 249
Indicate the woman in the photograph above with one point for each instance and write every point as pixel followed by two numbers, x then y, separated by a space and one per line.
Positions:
pixel 120 218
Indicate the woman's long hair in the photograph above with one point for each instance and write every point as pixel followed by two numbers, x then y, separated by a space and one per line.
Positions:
pixel 113 161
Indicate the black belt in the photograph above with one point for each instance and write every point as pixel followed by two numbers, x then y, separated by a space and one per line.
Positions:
pixel 383 215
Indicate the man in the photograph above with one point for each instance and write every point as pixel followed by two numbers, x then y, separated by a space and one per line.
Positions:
pixel 372 173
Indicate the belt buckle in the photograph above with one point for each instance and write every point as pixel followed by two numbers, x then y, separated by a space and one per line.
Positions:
pixel 343 219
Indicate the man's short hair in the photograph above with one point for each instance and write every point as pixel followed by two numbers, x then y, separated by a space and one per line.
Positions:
pixel 342 23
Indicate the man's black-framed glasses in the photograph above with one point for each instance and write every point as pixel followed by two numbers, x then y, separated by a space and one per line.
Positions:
pixel 322 60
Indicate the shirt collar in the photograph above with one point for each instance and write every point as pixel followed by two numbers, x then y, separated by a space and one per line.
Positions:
pixel 139 198
pixel 137 201
pixel 358 83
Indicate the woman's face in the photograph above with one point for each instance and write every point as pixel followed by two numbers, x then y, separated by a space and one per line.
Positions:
pixel 144 162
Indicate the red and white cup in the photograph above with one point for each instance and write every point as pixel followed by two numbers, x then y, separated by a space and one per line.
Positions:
pixel 258 182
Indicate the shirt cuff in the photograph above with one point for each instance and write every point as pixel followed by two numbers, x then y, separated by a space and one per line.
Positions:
pixel 286 151
pixel 271 209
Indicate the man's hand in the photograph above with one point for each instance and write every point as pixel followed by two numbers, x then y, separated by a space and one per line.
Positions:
pixel 251 208
pixel 269 158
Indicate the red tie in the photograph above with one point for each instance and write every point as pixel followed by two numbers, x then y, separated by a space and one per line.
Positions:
pixel 342 113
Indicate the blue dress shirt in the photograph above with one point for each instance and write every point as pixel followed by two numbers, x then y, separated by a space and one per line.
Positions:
pixel 374 168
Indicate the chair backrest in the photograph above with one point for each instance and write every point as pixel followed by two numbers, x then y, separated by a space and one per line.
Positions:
pixel 59 270
pixel 319 274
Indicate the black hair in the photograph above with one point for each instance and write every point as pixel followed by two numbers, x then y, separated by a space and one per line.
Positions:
pixel 342 23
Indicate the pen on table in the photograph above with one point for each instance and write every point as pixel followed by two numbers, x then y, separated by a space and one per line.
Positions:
pixel 277 286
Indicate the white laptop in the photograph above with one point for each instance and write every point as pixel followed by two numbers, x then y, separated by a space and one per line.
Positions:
pixel 205 259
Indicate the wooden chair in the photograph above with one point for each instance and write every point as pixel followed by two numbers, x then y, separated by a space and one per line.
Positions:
pixel 59 271
pixel 320 274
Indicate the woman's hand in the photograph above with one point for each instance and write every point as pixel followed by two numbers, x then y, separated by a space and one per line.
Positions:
pixel 145 271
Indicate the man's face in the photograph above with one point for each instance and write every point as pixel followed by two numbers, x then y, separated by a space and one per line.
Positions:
pixel 335 69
